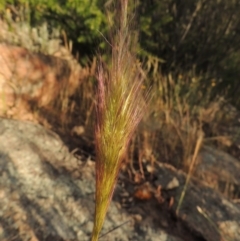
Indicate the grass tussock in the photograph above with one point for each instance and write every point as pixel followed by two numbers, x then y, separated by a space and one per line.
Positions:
pixel 172 128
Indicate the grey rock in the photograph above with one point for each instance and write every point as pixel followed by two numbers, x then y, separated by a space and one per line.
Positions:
pixel 46 193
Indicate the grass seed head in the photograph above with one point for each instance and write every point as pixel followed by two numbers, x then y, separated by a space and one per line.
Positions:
pixel 120 107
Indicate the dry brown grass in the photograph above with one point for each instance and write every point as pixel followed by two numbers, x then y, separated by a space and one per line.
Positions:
pixel 171 130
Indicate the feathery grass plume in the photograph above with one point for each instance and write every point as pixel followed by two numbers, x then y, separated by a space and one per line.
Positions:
pixel 120 107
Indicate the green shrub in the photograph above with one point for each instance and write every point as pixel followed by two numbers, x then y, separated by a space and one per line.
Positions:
pixel 80 19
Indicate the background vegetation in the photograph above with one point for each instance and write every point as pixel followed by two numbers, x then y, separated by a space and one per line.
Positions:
pixel 184 37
